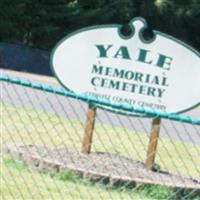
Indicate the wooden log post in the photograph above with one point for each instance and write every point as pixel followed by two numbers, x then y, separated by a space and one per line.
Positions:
pixel 89 129
pixel 153 142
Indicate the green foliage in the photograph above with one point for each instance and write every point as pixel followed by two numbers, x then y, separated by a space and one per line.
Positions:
pixel 160 192
pixel 41 23
pixel 157 192
pixel 66 175
pixel 11 162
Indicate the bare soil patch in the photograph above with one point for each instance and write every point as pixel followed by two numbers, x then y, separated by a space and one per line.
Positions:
pixel 97 166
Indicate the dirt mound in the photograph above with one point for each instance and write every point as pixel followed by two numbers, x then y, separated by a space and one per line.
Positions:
pixel 98 166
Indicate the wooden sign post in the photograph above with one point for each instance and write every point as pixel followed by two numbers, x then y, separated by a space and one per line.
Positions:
pixel 153 142
pixel 89 129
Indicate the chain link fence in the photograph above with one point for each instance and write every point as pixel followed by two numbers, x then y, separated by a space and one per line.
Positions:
pixel 44 137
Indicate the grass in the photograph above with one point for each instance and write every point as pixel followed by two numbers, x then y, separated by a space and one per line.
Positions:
pixel 27 126
pixel 20 182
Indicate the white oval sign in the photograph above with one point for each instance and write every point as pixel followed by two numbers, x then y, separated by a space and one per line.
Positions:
pixel 162 74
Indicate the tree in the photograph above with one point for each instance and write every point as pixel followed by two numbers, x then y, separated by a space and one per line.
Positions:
pixel 37 23
pixel 41 23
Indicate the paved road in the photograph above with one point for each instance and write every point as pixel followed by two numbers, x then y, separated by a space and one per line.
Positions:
pixel 75 109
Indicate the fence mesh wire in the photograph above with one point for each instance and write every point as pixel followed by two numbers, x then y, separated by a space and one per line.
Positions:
pixel 42 137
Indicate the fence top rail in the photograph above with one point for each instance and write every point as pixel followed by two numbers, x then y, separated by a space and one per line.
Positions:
pixel 92 100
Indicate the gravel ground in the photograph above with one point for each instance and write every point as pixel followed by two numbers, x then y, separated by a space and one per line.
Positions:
pixel 96 166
